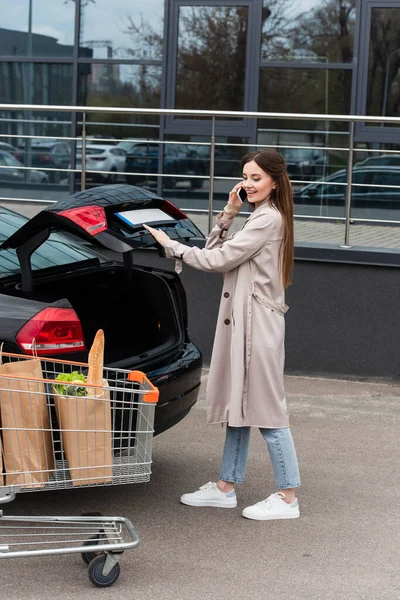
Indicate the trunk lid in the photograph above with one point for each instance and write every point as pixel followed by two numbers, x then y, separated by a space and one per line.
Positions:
pixel 109 216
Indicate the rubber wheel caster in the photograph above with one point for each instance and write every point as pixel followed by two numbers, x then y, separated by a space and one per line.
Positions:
pixel 87 557
pixel 95 572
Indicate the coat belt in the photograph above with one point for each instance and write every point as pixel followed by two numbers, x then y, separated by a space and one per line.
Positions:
pixel 277 307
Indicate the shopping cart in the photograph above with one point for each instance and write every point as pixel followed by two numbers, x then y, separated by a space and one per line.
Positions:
pixel 56 436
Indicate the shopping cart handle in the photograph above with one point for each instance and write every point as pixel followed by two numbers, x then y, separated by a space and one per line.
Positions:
pixel 152 394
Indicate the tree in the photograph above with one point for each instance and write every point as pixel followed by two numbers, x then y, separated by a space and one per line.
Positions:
pixel 327 32
pixel 211 58
pixel 145 40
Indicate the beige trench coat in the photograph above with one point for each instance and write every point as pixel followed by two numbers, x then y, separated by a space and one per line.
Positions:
pixel 245 383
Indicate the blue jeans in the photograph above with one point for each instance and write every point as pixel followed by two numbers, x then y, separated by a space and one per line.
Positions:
pixel 281 450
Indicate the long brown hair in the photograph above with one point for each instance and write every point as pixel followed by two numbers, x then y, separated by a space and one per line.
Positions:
pixel 282 198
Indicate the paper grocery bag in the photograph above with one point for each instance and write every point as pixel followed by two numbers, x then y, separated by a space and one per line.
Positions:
pixel 2 482
pixel 85 429
pixel 25 425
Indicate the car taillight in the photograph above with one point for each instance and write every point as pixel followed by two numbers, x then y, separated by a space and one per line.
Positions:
pixel 52 331
pixel 91 218
pixel 44 157
pixel 173 210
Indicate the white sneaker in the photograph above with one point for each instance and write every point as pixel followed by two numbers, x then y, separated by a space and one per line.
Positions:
pixel 273 507
pixel 210 495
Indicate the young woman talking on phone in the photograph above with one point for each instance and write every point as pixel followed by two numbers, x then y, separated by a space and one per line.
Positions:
pixel 245 385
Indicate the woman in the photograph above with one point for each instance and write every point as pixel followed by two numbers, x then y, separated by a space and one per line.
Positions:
pixel 245 384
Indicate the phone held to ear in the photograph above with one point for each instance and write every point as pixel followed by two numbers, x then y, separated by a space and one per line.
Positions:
pixel 241 193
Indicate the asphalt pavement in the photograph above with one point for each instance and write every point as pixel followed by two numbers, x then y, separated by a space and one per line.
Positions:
pixel 345 546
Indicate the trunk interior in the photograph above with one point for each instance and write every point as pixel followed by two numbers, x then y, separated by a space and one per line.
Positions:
pixel 135 309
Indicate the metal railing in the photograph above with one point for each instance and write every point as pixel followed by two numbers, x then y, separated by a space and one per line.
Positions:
pixel 213 116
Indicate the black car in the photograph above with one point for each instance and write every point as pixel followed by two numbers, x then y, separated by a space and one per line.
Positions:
pixel 227 162
pixel 56 288
pixel 371 186
pixel 381 160
pixel 304 163
pixel 142 163
pixel 48 154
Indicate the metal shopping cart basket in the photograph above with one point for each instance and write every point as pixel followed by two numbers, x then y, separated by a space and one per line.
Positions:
pixel 57 435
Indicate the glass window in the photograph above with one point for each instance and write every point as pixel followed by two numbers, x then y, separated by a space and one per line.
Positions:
pixel 334 187
pixel 52 31
pixel 121 30
pixel 212 43
pixel 10 161
pixel 308 90
pixel 382 160
pixel 389 177
pixel 57 250
pixel 383 91
pixel 122 85
pixel 324 91
pixel 143 149
pixel 35 83
pixel 308 30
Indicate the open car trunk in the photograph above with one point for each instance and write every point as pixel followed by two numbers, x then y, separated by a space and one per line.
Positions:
pixel 136 310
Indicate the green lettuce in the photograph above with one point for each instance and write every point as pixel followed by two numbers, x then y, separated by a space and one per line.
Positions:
pixel 65 389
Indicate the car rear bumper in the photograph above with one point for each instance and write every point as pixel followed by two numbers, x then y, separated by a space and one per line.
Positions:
pixel 179 385
pixel 169 414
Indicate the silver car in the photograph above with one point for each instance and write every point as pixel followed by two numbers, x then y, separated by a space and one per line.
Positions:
pixel 12 170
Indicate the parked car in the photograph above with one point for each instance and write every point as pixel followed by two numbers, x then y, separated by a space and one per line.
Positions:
pixel 332 190
pixel 12 170
pixel 128 145
pixel 102 157
pixel 51 154
pixel 304 163
pixel 226 160
pixel 142 157
pixel 95 139
pixel 8 148
pixel 64 289
pixel 383 160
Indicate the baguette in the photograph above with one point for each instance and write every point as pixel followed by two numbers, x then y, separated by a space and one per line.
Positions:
pixel 96 360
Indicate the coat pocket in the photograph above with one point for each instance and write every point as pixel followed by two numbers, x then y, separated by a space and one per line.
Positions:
pixel 272 304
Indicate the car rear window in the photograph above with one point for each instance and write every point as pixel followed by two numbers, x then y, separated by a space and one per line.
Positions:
pixel 144 150
pixel 125 145
pixel 58 250
pixel 385 178
pixel 89 151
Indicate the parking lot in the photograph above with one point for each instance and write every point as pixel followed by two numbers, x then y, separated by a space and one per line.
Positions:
pixel 345 546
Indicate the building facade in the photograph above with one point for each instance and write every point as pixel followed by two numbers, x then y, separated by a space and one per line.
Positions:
pixel 311 56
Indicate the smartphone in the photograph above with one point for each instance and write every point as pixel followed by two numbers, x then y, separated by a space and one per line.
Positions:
pixel 242 194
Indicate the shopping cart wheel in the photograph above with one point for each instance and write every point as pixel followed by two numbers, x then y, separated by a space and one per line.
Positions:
pixel 87 557
pixel 96 576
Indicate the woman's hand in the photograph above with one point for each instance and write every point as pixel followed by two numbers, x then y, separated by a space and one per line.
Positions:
pixel 160 237
pixel 233 197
